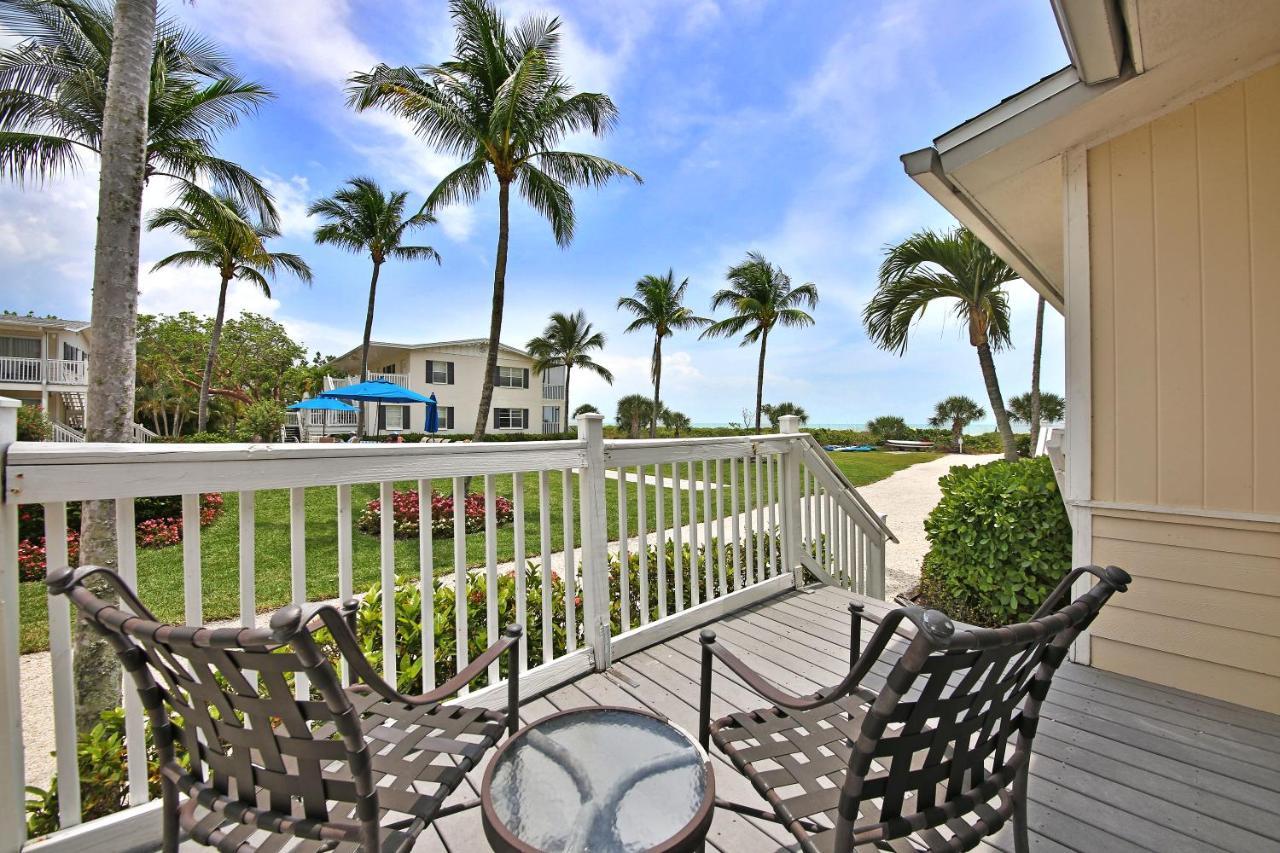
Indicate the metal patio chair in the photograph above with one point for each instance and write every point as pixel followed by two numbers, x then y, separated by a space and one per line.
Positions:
pixel 937 759
pixel 345 768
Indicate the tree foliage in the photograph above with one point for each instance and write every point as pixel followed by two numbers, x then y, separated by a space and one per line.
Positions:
pixel 567 342
pixel 888 427
pixel 634 413
pixel 956 413
pixel 774 411
pixel 1052 407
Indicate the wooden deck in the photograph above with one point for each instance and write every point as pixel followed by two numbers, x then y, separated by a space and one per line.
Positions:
pixel 1120 764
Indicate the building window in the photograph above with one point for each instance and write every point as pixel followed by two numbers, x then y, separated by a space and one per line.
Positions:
pixel 512 377
pixel 440 372
pixel 388 368
pixel 19 347
pixel 511 418
pixel 446 417
pixel 394 417
pixel 551 419
pixel 71 352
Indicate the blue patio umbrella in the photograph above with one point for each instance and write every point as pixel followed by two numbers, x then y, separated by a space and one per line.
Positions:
pixel 381 391
pixel 318 404
pixel 433 415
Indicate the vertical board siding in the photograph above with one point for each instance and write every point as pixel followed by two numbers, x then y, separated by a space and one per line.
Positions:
pixel 1185 244
pixel 1185 315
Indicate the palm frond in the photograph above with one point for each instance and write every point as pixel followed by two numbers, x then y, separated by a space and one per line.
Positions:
pixel 551 198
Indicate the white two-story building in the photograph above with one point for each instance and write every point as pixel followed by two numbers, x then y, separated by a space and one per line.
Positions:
pixel 44 361
pixel 523 399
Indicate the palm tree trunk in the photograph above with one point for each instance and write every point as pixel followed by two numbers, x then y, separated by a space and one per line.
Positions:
pixel 567 370
pixel 215 337
pixel 997 402
pixel 364 347
pixel 495 315
pixel 657 386
pixel 764 343
pixel 1035 375
pixel 109 403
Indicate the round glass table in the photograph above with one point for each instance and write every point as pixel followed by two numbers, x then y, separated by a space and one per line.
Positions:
pixel 598 779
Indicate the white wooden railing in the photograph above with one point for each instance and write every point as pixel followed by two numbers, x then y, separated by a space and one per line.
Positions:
pixel 20 369
pixel 35 371
pixel 63 372
pixel 553 392
pixel 65 434
pixel 332 382
pixel 704 525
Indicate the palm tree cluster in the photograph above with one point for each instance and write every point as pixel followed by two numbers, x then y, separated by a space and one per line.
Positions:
pixel 956 413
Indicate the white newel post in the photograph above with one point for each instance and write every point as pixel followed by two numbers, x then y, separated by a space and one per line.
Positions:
pixel 875 563
pixel 595 542
pixel 13 819
pixel 790 499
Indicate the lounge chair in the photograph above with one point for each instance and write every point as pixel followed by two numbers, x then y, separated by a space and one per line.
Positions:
pixel 938 759
pixel 363 767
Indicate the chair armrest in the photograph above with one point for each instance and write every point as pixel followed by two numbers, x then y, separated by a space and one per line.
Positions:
pixel 757 682
pixel 472 671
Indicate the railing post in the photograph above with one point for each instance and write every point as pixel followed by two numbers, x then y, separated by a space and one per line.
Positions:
pixel 13 819
pixel 875 563
pixel 595 542
pixel 790 500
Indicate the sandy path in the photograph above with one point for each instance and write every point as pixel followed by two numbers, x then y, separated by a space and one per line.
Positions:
pixel 906 497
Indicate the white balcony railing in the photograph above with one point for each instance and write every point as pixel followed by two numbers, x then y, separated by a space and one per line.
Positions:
pixel 34 370
pixel 703 526
pixel 553 392
pixel 332 382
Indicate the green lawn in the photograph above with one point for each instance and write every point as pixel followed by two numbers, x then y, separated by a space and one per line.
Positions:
pixel 160 570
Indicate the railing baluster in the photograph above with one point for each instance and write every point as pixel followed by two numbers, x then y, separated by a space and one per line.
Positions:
pixel 808 510
pixel 13 820
pixel 246 506
pixel 570 570
pixel 387 564
pixel 660 537
pixel 748 521
pixel 837 540
pixel 694 595
pixel 771 475
pixel 134 730
pixel 192 593
pixel 522 593
pixel 624 560
pixel 64 709
pixel 677 568
pixel 298 565
pixel 734 527
pixel 762 532
pixel 544 533
pixel 491 569
pixel 426 583
pixel 829 523
pixel 708 568
pixel 346 579
pixel 460 574
pixel 850 548
pixel 642 530
pixel 720 543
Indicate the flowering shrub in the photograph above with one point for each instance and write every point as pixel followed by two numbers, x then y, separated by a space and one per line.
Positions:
pixel 405 512
pixel 31 556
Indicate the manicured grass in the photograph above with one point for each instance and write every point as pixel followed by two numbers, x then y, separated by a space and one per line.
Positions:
pixel 865 468
pixel 160 573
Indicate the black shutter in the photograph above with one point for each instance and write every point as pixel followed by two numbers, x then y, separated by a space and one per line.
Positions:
pixel 404 419
pixel 430 371
pixel 526 378
pixel 497 373
pixel 382 417
pixel 448 369
pixel 524 413
pixel 495 418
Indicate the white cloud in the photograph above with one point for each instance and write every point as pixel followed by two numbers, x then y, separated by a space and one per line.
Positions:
pixel 292 197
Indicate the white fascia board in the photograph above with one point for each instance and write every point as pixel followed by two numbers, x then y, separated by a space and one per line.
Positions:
pixel 1093 32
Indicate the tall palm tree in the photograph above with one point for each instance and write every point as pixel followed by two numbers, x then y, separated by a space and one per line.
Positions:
pixel 361 217
pixel 956 412
pixel 1034 402
pixel 761 297
pixel 774 411
pixel 958 267
pixel 54 85
pixel 567 342
pixel 221 235
pixel 502 103
pixel 674 421
pixel 1052 407
pixel 109 401
pixel 658 304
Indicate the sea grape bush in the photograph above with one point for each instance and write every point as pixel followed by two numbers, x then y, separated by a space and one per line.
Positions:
pixel 405 513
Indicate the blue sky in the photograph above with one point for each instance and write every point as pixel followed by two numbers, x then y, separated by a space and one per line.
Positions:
pixel 756 124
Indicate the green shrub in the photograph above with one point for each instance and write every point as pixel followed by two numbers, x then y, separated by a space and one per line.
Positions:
pixel 33 425
pixel 843 437
pixel 1022 441
pixel 261 421
pixel 888 427
pixel 1000 538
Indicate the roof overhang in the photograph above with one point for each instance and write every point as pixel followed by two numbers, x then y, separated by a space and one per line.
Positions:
pixel 1001 173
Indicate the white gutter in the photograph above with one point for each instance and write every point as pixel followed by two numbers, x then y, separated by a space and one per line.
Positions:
pixel 1093 32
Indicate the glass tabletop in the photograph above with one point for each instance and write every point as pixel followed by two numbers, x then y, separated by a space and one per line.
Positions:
pixel 598 779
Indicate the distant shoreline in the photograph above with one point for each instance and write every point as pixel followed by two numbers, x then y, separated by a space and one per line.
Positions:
pixel 972 428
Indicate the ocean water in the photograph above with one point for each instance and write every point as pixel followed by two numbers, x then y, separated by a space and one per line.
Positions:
pixel 972 428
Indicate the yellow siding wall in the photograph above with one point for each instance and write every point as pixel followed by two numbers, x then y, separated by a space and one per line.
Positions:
pixel 1185 279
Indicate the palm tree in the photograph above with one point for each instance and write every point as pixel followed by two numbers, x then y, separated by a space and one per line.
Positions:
pixel 633 413
pixel 957 413
pixel 774 411
pixel 502 103
pixel 1052 407
pixel 219 230
pixel 658 304
pixel 674 421
pixel 889 427
pixel 1035 402
pixel 109 401
pixel 54 87
pixel 585 409
pixel 567 342
pixel 361 217
pixel 760 296
pixel 950 265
